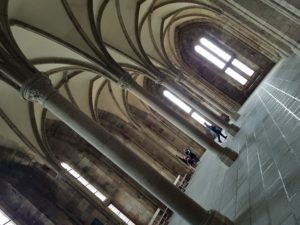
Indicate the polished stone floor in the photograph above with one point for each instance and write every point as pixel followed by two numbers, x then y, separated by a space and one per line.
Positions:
pixel 263 186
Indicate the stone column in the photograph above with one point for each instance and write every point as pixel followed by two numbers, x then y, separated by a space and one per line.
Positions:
pixel 227 155
pixel 39 89
pixel 231 128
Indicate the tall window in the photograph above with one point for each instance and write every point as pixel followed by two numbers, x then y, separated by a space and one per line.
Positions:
pixel 4 219
pixel 84 182
pixel 96 192
pixel 120 215
pixel 185 107
pixel 177 101
pixel 224 61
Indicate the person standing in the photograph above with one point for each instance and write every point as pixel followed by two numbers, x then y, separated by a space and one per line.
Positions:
pixel 216 130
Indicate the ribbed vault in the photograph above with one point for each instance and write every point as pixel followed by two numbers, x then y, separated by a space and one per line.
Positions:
pixel 93 50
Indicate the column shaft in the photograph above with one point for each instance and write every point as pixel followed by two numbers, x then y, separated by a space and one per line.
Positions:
pixel 123 157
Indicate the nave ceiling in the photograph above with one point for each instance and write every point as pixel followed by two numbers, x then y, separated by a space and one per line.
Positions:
pixel 93 49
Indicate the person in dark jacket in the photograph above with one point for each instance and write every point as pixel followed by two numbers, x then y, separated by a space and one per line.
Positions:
pixel 217 130
pixel 190 158
pixel 191 154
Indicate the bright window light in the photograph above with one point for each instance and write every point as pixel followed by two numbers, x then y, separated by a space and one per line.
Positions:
pixel 218 51
pixel 238 64
pixel 114 209
pixel 3 218
pixel 65 166
pixel 100 196
pixel 74 173
pixel 200 119
pixel 124 218
pixel 91 188
pixel 209 56
pixel 10 223
pixel 177 101
pixel 83 181
pixel 120 215
pixel 236 76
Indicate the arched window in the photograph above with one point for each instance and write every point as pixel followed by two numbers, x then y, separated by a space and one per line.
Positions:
pixel 232 66
pixel 96 192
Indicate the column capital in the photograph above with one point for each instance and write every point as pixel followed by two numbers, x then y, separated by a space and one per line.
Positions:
pixel 178 78
pixel 125 82
pixel 160 81
pixel 37 89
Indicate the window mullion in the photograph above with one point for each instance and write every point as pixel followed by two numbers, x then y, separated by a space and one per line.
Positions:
pixel 228 64
pixel 240 72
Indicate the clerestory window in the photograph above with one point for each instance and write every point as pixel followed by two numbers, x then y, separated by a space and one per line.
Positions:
pixel 96 192
pixel 120 215
pixel 4 219
pixel 177 101
pixel 84 182
pixel 182 105
pixel 223 60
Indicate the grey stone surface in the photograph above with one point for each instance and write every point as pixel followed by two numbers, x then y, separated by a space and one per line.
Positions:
pixel 263 186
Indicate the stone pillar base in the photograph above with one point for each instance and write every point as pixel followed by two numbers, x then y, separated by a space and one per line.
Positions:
pixel 235 116
pixel 218 219
pixel 229 156
pixel 233 129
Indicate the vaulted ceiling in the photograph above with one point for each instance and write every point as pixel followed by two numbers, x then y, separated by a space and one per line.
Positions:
pixel 86 47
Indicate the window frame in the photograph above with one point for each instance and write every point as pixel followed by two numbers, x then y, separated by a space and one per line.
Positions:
pixel 229 63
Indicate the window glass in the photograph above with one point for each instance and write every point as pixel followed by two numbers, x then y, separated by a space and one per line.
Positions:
pixel 84 182
pixel 210 56
pixel 74 173
pixel 66 166
pixel 91 188
pixel 223 60
pixel 4 219
pixel 236 76
pixel 120 215
pixel 199 118
pixel 218 51
pixel 238 64
pixel 100 196
pixel 177 101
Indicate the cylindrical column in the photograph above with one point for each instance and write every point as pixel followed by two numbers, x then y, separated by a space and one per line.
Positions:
pixel 231 128
pixel 232 114
pixel 226 154
pixel 40 90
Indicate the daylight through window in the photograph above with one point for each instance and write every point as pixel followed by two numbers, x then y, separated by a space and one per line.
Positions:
pixel 4 219
pixel 223 60
pixel 218 51
pixel 94 190
pixel 84 182
pixel 177 101
pixel 185 107
pixel 235 76
pixel 120 215
pixel 210 56
pixel 199 118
